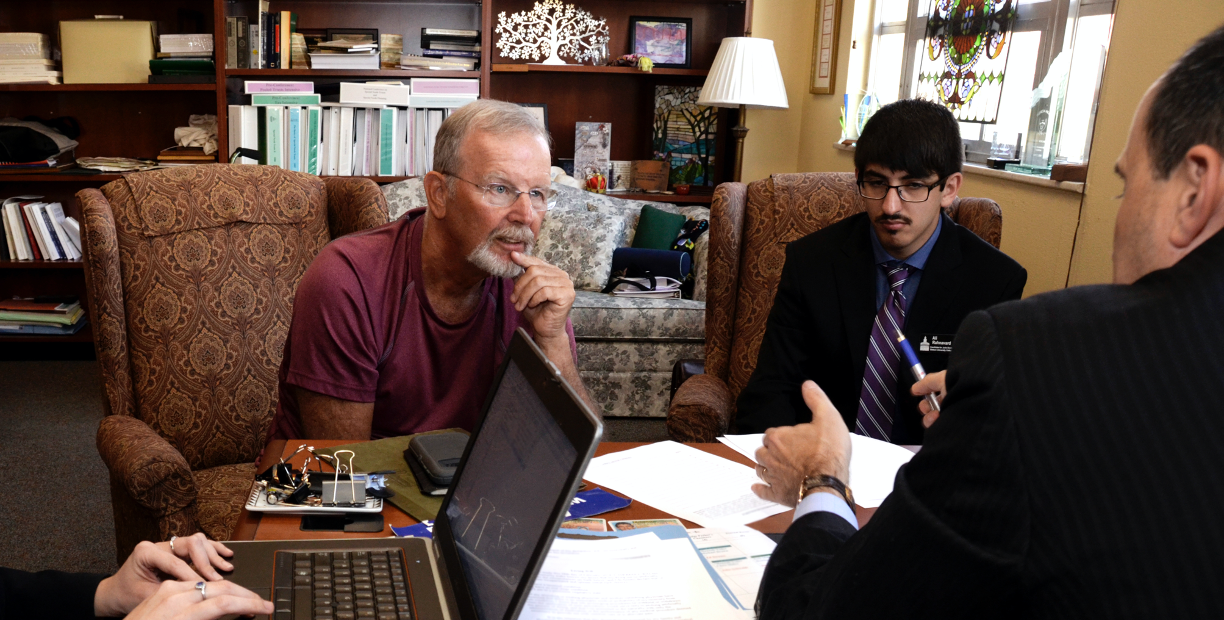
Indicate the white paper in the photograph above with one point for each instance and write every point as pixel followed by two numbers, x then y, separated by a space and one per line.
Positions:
pixel 873 464
pixel 704 488
pixel 631 578
pixel 739 554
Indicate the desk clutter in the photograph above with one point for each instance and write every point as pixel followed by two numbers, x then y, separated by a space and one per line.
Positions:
pixel 286 489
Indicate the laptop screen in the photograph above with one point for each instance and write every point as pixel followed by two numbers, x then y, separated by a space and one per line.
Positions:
pixel 502 505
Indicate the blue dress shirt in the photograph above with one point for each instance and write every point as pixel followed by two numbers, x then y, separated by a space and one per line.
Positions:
pixel 917 260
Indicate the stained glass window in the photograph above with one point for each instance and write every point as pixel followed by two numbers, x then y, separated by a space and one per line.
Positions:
pixel 965 56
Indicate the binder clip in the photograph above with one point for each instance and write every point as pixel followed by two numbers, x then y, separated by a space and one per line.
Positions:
pixel 343 493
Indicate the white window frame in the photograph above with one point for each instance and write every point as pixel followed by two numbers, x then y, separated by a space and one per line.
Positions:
pixel 1049 17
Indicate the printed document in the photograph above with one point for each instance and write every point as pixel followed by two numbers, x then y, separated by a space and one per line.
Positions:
pixel 873 464
pixel 633 578
pixel 739 555
pixel 704 488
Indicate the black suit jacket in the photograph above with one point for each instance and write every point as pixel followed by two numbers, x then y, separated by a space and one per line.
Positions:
pixel 47 595
pixel 1074 473
pixel 820 324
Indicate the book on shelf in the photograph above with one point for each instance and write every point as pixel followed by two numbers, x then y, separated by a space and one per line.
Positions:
pixel 442 46
pixel 34 230
pixel 10 328
pixel 410 61
pixel 52 315
pixel 449 33
pixel 339 140
pixel 192 78
pixel 25 58
pixel 182 66
pixel 186 43
pixel 380 93
pixel 444 86
pixel 187 154
pixel 231 43
pixel 348 46
pixel 252 87
pixel 457 55
pixel 359 60
pixel 390 48
pixel 285 99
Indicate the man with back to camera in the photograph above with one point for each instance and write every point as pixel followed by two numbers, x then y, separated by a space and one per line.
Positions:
pixel 1074 470
pixel 903 264
pixel 399 329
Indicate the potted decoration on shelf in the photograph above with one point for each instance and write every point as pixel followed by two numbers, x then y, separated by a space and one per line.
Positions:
pixel 550 30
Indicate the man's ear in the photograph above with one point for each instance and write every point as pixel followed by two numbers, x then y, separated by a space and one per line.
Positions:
pixel 951 186
pixel 437 194
pixel 1196 185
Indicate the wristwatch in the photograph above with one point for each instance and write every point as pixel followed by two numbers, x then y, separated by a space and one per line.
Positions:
pixel 811 483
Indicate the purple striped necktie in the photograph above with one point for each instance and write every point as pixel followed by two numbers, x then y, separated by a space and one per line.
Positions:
pixel 878 398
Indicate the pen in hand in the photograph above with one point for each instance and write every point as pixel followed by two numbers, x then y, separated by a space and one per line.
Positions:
pixel 915 367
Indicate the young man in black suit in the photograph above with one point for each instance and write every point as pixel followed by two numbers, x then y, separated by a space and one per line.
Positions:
pixel 1074 471
pixel 903 264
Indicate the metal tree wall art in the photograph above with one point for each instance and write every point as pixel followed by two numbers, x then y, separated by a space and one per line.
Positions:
pixel 551 29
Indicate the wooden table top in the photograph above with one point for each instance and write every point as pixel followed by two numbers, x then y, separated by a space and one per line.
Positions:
pixel 266 526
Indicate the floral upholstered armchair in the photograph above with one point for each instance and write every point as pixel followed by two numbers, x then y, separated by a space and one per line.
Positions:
pixel 750 226
pixel 192 273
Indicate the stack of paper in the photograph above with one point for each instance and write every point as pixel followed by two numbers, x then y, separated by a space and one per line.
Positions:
pixel 739 555
pixel 684 481
pixel 26 58
pixel 633 578
pixel 873 464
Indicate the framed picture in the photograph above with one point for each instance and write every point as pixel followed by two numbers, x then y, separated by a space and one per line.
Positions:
pixel 685 134
pixel 824 46
pixel 360 35
pixel 538 110
pixel 668 41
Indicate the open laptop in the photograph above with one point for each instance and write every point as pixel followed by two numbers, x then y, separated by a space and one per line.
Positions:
pixel 510 494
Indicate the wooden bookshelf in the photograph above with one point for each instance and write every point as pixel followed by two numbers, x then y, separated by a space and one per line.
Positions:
pixel 348 73
pixel 41 264
pixel 73 88
pixel 538 68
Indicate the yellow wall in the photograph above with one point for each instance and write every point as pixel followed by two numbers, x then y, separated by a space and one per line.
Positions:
pixel 1148 35
pixel 1058 236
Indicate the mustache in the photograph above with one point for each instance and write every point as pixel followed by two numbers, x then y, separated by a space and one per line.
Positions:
pixel 893 218
pixel 513 234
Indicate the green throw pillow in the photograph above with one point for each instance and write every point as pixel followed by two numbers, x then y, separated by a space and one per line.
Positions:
pixel 657 229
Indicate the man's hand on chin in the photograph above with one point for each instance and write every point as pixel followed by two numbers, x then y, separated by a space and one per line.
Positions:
pixel 791 453
pixel 544 294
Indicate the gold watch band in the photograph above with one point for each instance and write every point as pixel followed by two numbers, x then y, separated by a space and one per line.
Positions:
pixel 811 483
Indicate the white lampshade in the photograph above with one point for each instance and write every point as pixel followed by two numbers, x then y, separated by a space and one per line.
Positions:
pixel 745 72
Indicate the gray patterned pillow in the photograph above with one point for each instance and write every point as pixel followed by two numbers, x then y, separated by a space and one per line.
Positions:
pixel 403 196
pixel 581 243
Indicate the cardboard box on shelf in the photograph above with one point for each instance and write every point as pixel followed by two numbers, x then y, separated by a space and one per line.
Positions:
pixel 110 51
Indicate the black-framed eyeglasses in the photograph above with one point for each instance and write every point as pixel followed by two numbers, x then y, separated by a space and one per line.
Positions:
pixel 877 189
pixel 501 196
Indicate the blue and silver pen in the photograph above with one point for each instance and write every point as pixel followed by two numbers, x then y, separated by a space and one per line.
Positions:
pixel 915 367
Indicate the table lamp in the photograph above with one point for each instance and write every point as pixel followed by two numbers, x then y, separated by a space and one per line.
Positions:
pixel 746 75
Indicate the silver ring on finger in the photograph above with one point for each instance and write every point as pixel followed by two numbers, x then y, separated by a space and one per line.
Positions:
pixel 201 587
pixel 172 543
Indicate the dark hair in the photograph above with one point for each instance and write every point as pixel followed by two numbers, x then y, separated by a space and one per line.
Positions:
pixel 917 136
pixel 1188 107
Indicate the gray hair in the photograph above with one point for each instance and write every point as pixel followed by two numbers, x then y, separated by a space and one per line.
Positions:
pixel 487 115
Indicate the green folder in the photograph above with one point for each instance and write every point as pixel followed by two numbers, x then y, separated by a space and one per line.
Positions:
pixel 388 454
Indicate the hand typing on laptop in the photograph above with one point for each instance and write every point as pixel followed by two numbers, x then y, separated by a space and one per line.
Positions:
pixel 138 588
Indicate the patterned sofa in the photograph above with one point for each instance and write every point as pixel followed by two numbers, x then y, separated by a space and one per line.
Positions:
pixel 626 347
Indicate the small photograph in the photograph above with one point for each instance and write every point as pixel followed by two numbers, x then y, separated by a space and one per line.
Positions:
pixel 641 524
pixel 594 525
pixel 665 40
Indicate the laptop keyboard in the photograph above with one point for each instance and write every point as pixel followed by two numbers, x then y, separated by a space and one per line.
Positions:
pixel 341 585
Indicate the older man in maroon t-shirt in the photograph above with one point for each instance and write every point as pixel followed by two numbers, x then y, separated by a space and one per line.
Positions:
pixel 399 329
